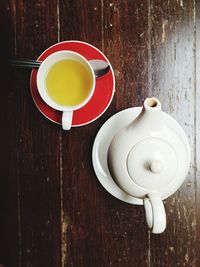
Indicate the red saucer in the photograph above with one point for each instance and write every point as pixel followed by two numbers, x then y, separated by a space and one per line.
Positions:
pixel 103 93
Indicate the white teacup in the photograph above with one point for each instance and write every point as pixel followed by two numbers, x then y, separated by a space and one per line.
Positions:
pixel 44 68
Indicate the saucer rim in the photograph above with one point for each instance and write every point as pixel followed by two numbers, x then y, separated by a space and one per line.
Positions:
pixel 111 69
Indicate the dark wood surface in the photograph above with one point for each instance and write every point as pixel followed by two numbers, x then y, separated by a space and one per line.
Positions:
pixel 53 210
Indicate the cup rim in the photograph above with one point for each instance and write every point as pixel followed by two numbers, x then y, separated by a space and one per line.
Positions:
pixel 42 88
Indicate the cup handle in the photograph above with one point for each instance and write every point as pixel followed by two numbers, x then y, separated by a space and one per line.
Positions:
pixel 155 212
pixel 67 120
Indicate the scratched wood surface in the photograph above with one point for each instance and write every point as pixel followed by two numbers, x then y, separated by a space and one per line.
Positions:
pixel 53 210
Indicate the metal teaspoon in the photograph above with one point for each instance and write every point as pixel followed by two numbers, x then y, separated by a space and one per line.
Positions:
pixel 100 67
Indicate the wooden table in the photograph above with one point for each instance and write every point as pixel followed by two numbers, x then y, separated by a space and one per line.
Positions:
pixel 53 210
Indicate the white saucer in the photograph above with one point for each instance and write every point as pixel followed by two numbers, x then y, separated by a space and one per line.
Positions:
pixel 100 149
pixel 101 145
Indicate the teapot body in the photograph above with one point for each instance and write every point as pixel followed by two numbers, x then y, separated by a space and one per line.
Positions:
pixel 142 159
pixel 148 154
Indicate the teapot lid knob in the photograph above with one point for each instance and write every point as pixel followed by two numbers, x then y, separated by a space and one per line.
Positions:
pixel 156 166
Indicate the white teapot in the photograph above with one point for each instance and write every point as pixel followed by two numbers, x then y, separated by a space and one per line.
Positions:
pixel 149 160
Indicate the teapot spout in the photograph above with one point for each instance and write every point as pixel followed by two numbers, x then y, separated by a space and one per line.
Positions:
pixel 152 103
pixel 151 116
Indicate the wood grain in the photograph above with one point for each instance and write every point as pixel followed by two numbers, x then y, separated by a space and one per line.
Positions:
pixel 172 80
pixel 31 149
pixel 38 144
pixel 53 210
pixel 197 129
pixel 9 247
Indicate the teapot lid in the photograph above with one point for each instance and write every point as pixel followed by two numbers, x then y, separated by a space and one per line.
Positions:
pixel 152 163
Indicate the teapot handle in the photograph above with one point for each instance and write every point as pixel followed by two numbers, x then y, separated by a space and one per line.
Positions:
pixel 155 212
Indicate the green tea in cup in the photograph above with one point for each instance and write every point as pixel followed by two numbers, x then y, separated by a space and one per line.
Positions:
pixel 68 82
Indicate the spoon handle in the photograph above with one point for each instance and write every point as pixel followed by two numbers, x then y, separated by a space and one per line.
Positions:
pixel 26 63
